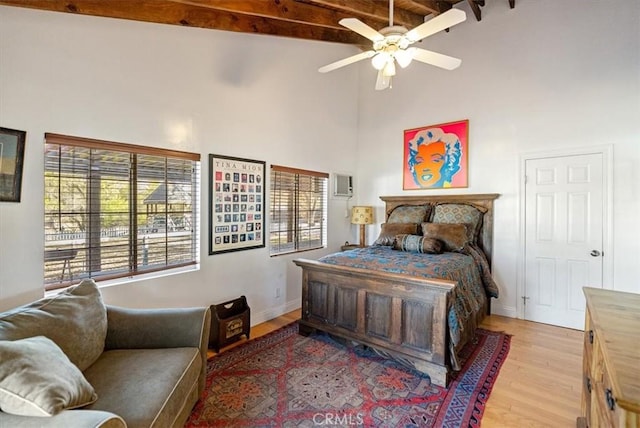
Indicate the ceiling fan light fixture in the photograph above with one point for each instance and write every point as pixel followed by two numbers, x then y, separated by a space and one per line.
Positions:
pixel 391 44
pixel 389 69
pixel 404 57
pixel 380 60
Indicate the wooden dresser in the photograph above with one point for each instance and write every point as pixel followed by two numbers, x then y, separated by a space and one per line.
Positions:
pixel 611 360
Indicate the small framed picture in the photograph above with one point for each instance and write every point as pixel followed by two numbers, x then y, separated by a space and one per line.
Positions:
pixel 11 162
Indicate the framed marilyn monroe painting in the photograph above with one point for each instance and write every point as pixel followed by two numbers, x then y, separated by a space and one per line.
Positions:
pixel 436 156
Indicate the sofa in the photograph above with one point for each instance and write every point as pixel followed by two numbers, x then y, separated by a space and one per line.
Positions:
pixel 69 360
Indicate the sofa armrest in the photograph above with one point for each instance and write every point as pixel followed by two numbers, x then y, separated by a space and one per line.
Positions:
pixel 68 418
pixel 160 328
pixel 156 328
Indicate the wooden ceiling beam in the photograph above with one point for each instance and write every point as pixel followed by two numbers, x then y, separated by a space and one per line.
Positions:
pixel 426 7
pixel 170 12
pixel 305 19
pixel 286 10
pixel 444 6
pixel 475 7
pixel 373 13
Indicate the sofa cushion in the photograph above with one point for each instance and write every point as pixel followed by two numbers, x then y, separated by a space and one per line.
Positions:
pixel 37 379
pixel 146 387
pixel 65 419
pixel 76 320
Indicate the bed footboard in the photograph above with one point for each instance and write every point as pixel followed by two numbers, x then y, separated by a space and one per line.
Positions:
pixel 399 316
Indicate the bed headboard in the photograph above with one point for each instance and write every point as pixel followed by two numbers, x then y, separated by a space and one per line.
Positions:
pixel 484 202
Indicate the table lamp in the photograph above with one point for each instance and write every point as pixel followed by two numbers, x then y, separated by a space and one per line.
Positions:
pixel 362 215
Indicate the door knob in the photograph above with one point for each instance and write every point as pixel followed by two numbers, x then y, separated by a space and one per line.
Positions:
pixel 595 253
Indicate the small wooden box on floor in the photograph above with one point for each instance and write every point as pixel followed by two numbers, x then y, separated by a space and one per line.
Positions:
pixel 229 321
pixel 611 360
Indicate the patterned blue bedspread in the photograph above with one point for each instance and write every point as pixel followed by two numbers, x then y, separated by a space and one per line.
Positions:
pixel 468 297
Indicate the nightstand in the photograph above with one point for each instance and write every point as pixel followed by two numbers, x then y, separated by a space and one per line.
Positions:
pixel 346 247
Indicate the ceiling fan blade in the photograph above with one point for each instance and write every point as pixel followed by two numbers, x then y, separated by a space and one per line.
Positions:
pixel 435 58
pixel 382 81
pixel 346 61
pixel 354 24
pixel 439 23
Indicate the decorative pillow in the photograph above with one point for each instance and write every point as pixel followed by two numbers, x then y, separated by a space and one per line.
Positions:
pixel 37 379
pixel 459 213
pixel 453 236
pixel 76 320
pixel 389 231
pixel 417 244
pixel 409 214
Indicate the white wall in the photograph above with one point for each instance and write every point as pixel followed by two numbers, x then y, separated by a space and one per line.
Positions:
pixel 197 90
pixel 546 75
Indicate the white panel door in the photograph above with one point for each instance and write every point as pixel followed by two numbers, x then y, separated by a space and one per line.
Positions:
pixel 564 235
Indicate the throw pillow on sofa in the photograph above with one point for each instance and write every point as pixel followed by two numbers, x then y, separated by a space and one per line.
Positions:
pixel 75 319
pixel 37 379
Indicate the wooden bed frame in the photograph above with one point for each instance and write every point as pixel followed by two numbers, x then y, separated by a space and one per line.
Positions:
pixel 399 316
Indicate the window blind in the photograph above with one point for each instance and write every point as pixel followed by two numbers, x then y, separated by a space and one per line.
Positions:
pixel 298 210
pixel 115 210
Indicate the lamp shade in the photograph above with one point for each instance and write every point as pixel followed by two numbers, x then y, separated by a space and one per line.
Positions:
pixel 389 69
pixel 380 60
pixel 362 215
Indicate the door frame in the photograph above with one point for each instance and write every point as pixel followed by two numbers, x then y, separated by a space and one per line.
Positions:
pixel 606 150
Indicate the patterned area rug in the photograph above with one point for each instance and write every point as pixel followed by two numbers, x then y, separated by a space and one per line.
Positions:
pixel 287 380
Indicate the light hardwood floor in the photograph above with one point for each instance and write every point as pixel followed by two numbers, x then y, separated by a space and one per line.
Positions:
pixel 539 384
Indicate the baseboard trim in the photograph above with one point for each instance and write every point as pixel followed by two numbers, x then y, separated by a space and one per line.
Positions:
pixel 505 311
pixel 274 312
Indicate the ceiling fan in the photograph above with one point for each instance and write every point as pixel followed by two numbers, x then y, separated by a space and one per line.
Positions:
pixel 392 44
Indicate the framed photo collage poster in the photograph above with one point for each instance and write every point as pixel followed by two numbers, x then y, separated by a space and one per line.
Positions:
pixel 236 208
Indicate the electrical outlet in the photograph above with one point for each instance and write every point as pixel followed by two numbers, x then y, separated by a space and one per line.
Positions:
pixel 277 292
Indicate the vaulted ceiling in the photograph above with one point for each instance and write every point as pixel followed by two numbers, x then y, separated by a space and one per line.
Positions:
pixel 305 19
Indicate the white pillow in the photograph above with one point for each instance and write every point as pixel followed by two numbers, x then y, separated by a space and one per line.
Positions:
pixel 37 379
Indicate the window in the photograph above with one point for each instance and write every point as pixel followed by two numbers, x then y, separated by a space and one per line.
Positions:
pixel 298 212
pixel 116 210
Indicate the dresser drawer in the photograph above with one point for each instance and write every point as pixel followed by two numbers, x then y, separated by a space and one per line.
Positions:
pixel 587 389
pixel 587 371
pixel 615 415
pixel 601 405
pixel 589 338
pixel 611 393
